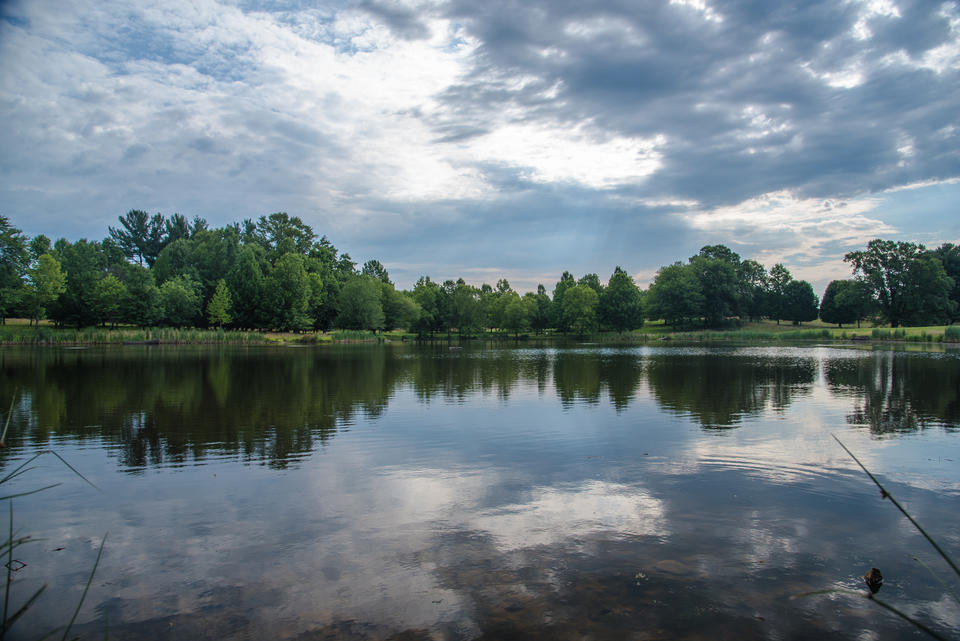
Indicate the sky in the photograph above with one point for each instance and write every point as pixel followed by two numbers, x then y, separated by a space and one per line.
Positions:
pixel 495 139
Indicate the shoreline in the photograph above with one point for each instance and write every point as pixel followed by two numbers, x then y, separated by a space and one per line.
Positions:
pixel 11 335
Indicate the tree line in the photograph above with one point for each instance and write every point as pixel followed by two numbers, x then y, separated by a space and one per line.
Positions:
pixel 899 283
pixel 274 273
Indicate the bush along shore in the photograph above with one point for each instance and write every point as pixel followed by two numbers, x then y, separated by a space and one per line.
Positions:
pixel 15 333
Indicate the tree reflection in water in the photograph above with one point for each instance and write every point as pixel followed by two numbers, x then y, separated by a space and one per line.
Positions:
pixel 486 493
pixel 173 405
pixel 897 391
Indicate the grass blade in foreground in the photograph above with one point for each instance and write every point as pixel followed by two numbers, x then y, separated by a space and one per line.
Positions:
pixel 882 604
pixel 85 588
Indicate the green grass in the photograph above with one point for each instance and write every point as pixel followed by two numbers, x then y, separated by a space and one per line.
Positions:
pixel 18 332
pixel 353 335
pixel 14 333
pixel 814 331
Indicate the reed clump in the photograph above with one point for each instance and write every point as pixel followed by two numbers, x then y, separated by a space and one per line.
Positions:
pixel 13 542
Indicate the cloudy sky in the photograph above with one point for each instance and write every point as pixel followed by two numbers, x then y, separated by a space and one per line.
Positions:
pixel 493 139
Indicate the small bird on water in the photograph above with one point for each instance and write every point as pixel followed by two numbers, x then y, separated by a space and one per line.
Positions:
pixel 874 580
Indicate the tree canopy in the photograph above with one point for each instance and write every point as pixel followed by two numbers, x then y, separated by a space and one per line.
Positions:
pixel 908 283
pixel 620 303
pixel 273 272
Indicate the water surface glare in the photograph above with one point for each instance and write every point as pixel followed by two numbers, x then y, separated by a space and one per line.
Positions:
pixel 498 492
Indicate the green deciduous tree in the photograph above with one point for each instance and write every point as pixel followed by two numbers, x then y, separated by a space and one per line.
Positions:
pixel 801 302
pixel 334 271
pixel 426 293
pixel 543 315
pixel 845 301
pixel 247 282
pixel 580 309
pixel 176 259
pixel 559 290
pixel 45 282
pixel 518 313
pixel 928 293
pixel 753 283
pixel 289 289
pixel 720 252
pixel 113 254
pixel 949 255
pixel 400 310
pixel 494 303
pixel 212 256
pixel 180 301
pixel 375 269
pixel 142 305
pixel 908 283
pixel 620 306
pixel 593 282
pixel 109 297
pixel 777 294
pixel 718 287
pixel 360 304
pixel 84 264
pixel 675 295
pixel 830 312
pixel 462 306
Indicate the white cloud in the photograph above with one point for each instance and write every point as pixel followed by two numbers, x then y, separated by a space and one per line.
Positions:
pixel 706 11
pixel 870 10
pixel 922 184
pixel 419 114
pixel 605 27
pixel 553 515
pixel 778 226
pixel 555 154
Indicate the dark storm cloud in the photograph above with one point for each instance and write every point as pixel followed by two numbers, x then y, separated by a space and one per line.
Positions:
pixel 744 100
pixel 405 22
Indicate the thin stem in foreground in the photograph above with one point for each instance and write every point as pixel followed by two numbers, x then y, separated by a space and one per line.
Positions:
pixel 85 588
pixel 939 580
pixel 6 588
pixel 882 604
pixel 6 426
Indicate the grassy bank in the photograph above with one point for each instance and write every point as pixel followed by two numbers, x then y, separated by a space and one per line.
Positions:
pixel 15 333
pixel 767 331
pixel 18 332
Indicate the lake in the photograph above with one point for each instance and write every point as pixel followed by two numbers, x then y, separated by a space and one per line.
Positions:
pixel 415 492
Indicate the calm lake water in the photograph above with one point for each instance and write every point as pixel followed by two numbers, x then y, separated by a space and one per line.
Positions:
pixel 405 492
